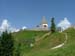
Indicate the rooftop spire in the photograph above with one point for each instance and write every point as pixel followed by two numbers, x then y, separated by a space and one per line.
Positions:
pixel 44 20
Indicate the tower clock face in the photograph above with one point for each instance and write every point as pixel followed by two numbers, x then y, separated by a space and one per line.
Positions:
pixel 45 26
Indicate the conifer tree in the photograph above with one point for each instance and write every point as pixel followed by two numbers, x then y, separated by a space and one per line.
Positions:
pixel 0 47
pixel 7 44
pixel 53 26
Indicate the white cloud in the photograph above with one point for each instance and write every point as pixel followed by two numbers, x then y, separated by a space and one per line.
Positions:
pixel 14 30
pixel 64 24
pixel 6 26
pixel 24 27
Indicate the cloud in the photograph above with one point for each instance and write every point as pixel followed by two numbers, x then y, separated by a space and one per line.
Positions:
pixel 24 27
pixel 64 24
pixel 6 26
pixel 14 29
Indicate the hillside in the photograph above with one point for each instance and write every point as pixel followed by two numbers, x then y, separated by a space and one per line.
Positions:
pixel 44 45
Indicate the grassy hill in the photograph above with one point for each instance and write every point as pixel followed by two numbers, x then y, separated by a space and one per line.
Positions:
pixel 43 46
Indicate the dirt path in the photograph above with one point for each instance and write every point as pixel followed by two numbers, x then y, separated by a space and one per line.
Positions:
pixel 42 37
pixel 60 45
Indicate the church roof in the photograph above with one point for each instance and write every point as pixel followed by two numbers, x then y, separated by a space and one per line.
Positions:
pixel 44 20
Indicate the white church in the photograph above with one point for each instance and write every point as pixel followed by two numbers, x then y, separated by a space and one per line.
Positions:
pixel 43 25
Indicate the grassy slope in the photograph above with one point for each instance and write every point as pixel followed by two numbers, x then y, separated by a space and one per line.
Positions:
pixel 26 34
pixel 42 48
pixel 22 36
pixel 68 49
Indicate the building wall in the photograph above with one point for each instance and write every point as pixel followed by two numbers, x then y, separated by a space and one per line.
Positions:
pixel 44 26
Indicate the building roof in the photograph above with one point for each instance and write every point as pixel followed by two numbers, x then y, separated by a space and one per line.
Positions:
pixel 44 20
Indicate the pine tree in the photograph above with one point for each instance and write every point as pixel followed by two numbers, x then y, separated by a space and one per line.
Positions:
pixel 53 27
pixel 7 44
pixel 0 47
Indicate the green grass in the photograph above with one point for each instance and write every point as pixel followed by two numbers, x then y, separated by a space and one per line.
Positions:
pixel 25 38
pixel 69 48
pixel 26 34
pixel 43 47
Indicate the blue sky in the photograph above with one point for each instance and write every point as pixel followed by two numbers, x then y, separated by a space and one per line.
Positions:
pixel 29 12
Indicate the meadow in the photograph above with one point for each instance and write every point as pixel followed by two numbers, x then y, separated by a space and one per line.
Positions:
pixel 43 46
